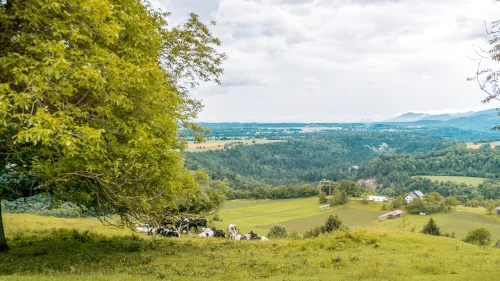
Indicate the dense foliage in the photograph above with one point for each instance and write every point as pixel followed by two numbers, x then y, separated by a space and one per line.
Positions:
pixel 395 173
pixel 431 228
pixel 308 158
pixel 479 236
pixel 91 97
pixel 279 192
pixel 277 231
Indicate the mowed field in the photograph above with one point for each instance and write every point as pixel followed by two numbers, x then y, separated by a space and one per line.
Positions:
pixel 219 144
pixel 302 214
pixel 455 179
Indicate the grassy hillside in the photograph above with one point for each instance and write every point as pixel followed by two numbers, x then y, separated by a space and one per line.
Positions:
pixel 61 254
pixel 455 179
pixel 302 214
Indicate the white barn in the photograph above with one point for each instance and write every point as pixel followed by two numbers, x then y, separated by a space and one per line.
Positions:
pixel 375 198
pixel 413 195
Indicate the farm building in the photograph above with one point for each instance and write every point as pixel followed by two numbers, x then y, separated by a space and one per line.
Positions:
pixel 392 215
pixel 498 210
pixel 375 198
pixel 413 195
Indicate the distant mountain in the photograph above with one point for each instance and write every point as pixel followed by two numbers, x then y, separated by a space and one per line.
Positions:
pixel 448 116
pixel 476 121
pixel 408 117
pixel 366 120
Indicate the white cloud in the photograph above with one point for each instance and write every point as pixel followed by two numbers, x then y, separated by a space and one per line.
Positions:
pixel 340 60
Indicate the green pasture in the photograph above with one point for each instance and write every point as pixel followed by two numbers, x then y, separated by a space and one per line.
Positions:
pixel 48 248
pixel 302 214
pixel 359 254
pixel 456 179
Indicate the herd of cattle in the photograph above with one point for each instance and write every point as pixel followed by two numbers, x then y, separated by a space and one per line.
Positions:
pixel 174 229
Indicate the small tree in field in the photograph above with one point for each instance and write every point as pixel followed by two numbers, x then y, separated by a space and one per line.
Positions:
pixel 490 208
pixel 322 198
pixel 479 236
pixel 397 202
pixel 333 223
pixel 277 231
pixel 431 228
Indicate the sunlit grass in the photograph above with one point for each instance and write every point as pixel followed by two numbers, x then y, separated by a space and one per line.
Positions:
pixel 354 255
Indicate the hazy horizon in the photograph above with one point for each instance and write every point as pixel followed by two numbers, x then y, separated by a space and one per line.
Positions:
pixel 340 61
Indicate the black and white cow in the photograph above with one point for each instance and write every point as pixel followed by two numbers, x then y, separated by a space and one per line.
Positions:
pixel 168 232
pixel 195 223
pixel 219 233
pixel 232 231
pixel 253 236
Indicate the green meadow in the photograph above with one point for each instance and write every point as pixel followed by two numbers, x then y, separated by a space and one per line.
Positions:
pixel 456 179
pixel 302 214
pixel 48 248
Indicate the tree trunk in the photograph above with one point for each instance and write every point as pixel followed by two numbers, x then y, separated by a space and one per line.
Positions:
pixel 3 243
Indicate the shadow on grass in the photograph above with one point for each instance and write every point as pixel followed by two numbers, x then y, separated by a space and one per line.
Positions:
pixel 73 251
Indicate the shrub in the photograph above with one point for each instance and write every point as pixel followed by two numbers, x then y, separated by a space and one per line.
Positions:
pixel 294 235
pixel 332 223
pixel 431 228
pixel 277 231
pixel 479 236
pixel 314 232
pixel 322 198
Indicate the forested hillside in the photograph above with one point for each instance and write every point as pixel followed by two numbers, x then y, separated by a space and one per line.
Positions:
pixel 309 158
pixel 395 173
pixel 452 161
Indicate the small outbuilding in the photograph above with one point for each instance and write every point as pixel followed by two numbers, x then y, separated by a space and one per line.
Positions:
pixel 498 210
pixel 392 215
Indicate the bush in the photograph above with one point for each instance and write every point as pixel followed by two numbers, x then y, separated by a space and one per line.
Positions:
pixel 277 231
pixel 497 244
pixel 431 228
pixel 479 236
pixel 322 198
pixel 314 232
pixel 331 224
pixel 294 235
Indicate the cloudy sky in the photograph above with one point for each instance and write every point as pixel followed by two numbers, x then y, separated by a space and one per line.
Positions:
pixel 341 60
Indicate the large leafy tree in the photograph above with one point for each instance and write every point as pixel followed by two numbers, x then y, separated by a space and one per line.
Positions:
pixel 93 95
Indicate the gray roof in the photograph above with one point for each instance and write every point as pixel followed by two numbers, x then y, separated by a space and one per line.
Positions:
pixel 419 194
pixel 416 194
pixel 498 208
pixel 397 212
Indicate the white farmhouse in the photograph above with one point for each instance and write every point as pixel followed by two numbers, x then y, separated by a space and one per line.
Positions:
pixel 375 198
pixel 413 195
